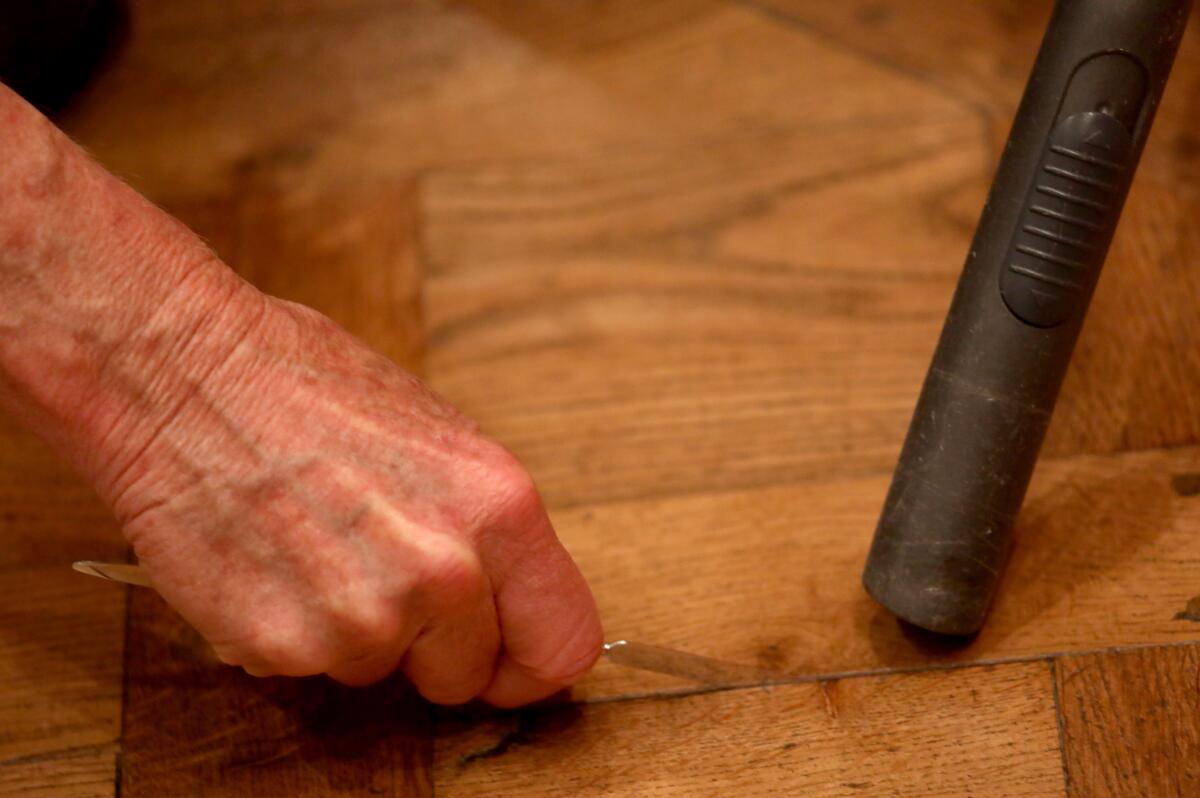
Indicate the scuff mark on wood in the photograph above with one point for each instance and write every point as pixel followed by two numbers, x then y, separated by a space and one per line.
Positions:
pixel 1191 612
pixel 1186 484
pixel 527 727
pixel 518 735
pixel 829 695
pixel 267 753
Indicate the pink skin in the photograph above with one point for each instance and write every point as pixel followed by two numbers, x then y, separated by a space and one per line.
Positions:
pixel 305 504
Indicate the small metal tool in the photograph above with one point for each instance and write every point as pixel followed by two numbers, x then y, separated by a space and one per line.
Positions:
pixel 639 656
pixel 682 665
pixel 114 572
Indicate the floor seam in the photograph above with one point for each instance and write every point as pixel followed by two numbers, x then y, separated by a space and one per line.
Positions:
pixel 925 79
pixel 834 676
pixel 119 758
pixel 1052 664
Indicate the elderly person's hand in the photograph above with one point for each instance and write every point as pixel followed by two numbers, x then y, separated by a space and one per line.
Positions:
pixel 308 506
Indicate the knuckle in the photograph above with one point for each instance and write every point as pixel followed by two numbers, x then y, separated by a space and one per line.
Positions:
pixel 452 574
pixel 512 494
pixel 366 625
pixel 286 653
pixel 364 670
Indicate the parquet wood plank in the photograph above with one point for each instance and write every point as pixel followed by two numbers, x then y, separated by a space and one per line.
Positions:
pixel 977 732
pixel 86 772
pixel 1130 722
pixel 61 635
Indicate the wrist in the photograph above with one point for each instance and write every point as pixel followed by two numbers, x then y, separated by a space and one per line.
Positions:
pixel 111 313
pixel 102 384
pixel 170 384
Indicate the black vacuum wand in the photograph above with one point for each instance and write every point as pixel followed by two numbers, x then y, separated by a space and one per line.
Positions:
pixel 947 522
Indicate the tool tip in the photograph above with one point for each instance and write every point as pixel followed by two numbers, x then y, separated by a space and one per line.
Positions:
pixel 90 568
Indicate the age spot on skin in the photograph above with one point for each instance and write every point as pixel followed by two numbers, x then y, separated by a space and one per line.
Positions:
pixel 18 242
pixel 119 218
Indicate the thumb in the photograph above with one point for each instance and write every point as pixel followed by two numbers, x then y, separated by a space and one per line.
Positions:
pixel 548 619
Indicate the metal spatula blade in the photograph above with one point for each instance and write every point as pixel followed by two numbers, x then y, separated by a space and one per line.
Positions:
pixel 113 572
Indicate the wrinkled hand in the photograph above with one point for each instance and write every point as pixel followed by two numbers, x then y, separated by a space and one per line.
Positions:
pixel 304 503
pixel 311 508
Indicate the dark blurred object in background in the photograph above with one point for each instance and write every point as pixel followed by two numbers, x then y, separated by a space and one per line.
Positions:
pixel 49 48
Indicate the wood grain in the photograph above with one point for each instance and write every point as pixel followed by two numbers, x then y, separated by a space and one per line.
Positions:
pixel 355 91
pixel 1130 722
pixel 744 301
pixel 982 54
pixel 979 53
pixel 708 314
pixel 61 634
pixel 196 727
pixel 769 577
pixel 86 772
pixel 599 379
pixel 978 732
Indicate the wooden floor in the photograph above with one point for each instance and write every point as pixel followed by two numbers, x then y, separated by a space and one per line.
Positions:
pixel 688 258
